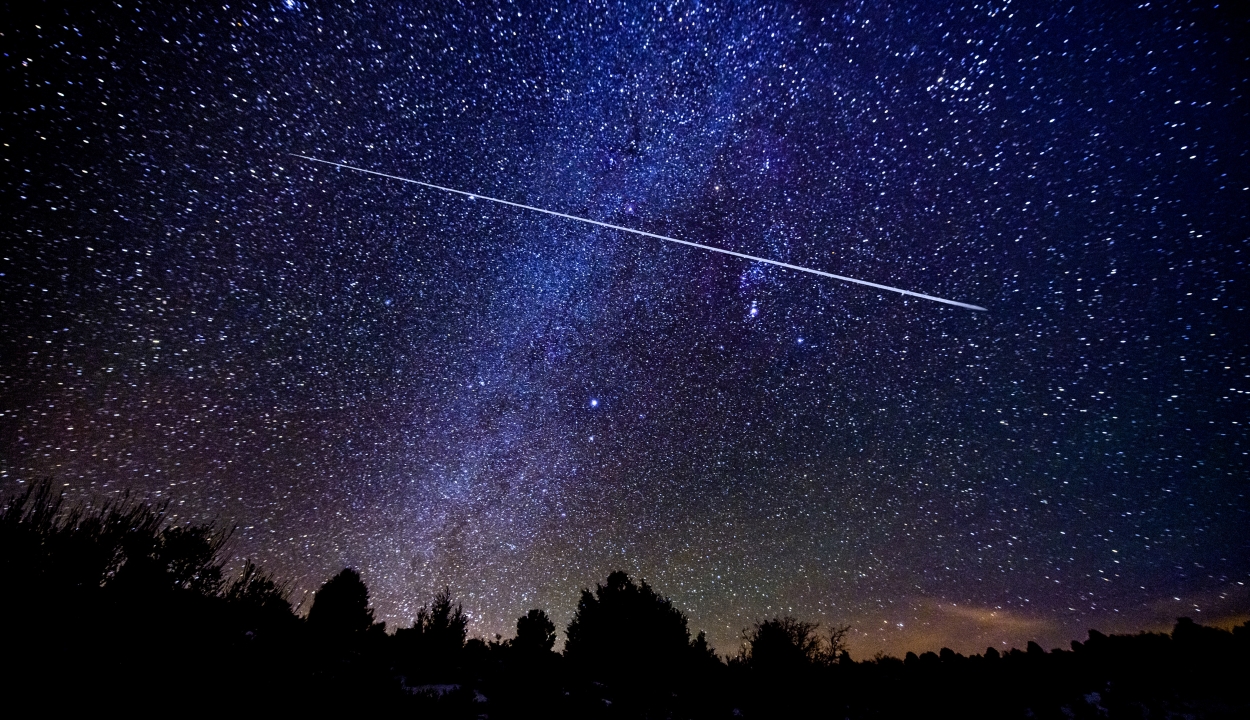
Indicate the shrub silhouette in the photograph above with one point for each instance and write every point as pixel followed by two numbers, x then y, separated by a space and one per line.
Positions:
pixel 256 592
pixel 133 584
pixel 122 545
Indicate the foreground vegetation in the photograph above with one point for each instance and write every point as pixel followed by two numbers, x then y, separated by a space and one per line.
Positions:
pixel 111 607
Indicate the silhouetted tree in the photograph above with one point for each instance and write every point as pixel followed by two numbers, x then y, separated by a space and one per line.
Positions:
pixel 632 640
pixel 341 607
pixel 623 626
pixel 535 633
pixel 443 627
pixel 431 649
pixel 702 650
pixel 159 619
pixel 788 645
pixel 526 672
pixel 781 645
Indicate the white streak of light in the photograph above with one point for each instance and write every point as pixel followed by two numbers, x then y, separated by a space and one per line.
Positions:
pixel 610 226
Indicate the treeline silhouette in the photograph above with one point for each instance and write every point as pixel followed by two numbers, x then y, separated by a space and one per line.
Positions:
pixel 110 606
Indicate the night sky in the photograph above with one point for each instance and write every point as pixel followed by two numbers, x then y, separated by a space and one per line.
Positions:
pixel 445 391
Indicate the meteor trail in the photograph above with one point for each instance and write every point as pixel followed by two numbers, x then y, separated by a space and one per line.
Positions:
pixel 610 226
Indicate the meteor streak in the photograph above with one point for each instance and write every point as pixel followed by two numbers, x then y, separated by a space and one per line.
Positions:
pixel 610 226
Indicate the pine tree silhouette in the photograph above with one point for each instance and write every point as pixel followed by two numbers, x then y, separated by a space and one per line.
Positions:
pixel 430 651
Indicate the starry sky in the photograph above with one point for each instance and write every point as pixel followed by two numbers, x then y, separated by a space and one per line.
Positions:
pixel 444 391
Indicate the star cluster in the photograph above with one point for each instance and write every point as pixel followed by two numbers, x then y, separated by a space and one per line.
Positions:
pixel 443 391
